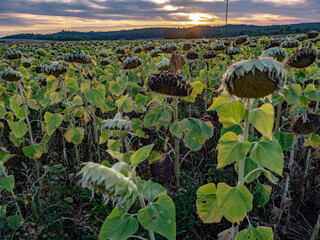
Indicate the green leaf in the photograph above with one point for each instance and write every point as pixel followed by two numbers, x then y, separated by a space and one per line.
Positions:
pixel 140 155
pixel 207 206
pixel 153 116
pixel 312 140
pixel 260 233
pixel 263 118
pixel 117 228
pixel 219 102
pixel 19 129
pixel 15 221
pixel 96 96
pixel 292 93
pixel 125 104
pixel 52 121
pixel 152 190
pixel 234 202
pixel 105 135
pixel 231 114
pixel 160 217
pixel 230 149
pixel 74 135
pixel 249 166
pixel 196 132
pixel 262 194
pixel 35 151
pixel 312 93
pixel 285 139
pixel 7 183
pixel 114 145
pixel 268 154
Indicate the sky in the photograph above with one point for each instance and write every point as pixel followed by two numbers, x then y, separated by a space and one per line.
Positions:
pixel 49 16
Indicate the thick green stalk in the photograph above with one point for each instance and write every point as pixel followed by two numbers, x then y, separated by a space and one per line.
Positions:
pixel 242 162
pixel 176 145
pixel 244 138
pixel 25 107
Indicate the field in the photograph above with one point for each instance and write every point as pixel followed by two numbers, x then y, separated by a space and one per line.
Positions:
pixel 162 139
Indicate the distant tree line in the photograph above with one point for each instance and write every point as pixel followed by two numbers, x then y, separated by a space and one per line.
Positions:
pixel 174 33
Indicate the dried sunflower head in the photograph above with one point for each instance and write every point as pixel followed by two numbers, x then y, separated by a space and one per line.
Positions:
pixel 26 63
pixel 41 52
pixel 253 45
pixel 186 46
pixel 105 61
pixel 306 123
pixel 233 51
pixel 78 57
pixel 290 43
pixel 275 53
pixel 318 54
pixel 272 43
pixel 209 54
pixel 254 78
pixel 120 50
pixel 148 47
pixel 192 55
pixel 10 75
pixel 302 58
pixel 12 54
pixel 312 34
pixel 170 84
pixel 163 65
pixel 104 54
pixel 109 181
pixel 137 49
pixel 217 47
pixel 241 39
pixel 117 123
pixel 155 53
pixel 54 69
pixel 301 37
pixel 131 63
pixel 169 48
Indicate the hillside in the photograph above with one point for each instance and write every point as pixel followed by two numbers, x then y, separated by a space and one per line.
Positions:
pixel 171 33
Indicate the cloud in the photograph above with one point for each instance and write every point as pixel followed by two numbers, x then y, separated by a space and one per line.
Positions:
pixel 46 16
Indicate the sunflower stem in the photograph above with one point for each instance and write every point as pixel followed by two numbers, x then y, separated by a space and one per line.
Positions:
pixel 176 145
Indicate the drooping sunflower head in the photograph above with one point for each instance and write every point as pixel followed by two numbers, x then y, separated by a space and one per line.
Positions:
pixel 55 69
pixel 78 57
pixel 131 62
pixel 117 123
pixel 26 63
pixel 254 78
pixel 312 34
pixel 169 48
pixel 10 75
pixel 155 53
pixel 105 61
pixel 108 181
pixel 170 84
pixel 192 55
pixel 276 53
pixel 12 54
pixel 306 123
pixel 209 54
pixel 290 43
pixel 186 46
pixel 302 58
pixel 241 39
pixel 163 65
